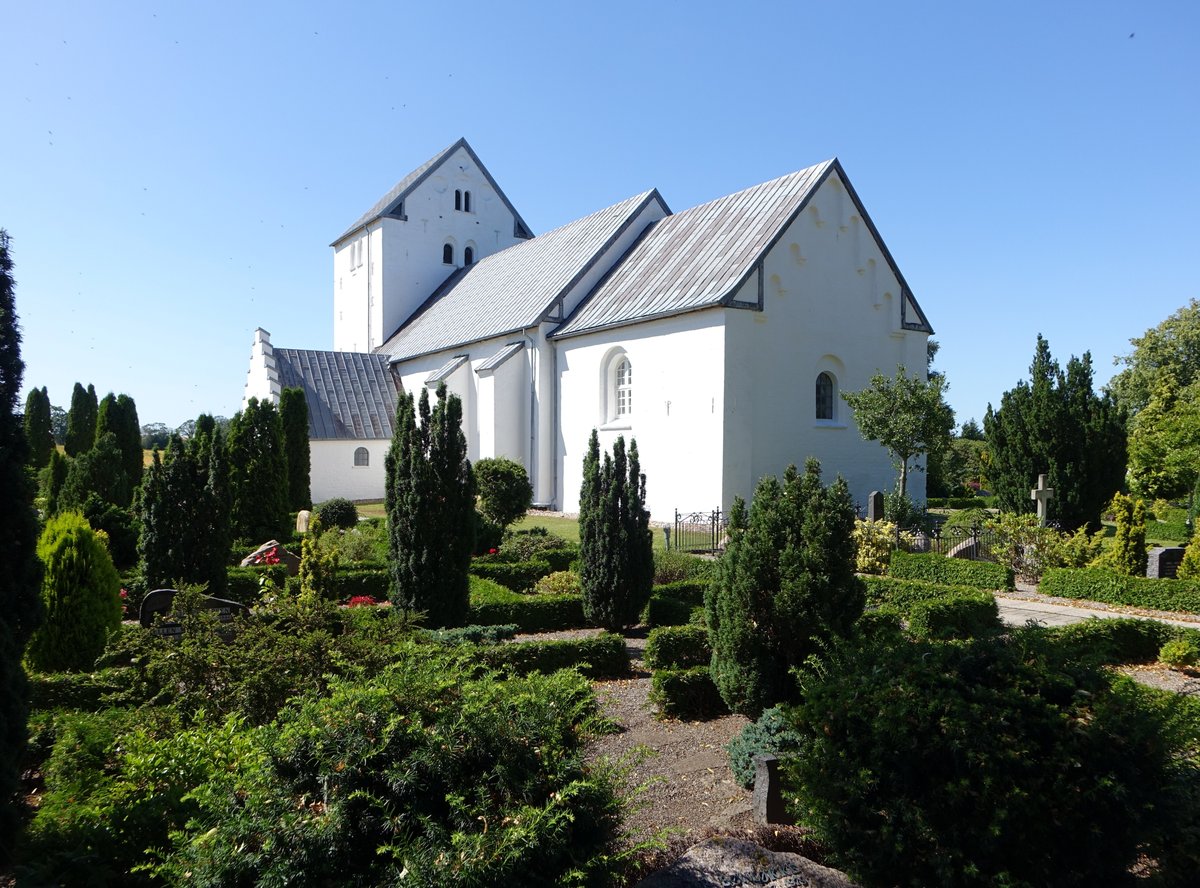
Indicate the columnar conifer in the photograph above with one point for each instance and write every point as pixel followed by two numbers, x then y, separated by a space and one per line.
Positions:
pixel 430 502
pixel 38 432
pixel 615 545
pixel 785 583
pixel 20 606
pixel 118 415
pixel 81 420
pixel 293 410
pixel 258 473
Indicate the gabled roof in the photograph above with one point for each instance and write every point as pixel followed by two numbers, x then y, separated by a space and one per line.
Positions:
pixel 349 394
pixel 514 289
pixel 390 204
pixel 699 258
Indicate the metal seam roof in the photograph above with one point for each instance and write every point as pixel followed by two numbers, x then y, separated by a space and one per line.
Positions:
pixel 499 358
pixel 349 394
pixel 444 372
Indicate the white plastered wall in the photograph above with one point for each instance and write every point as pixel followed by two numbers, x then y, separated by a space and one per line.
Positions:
pixel 333 472
pixel 832 304
pixel 678 406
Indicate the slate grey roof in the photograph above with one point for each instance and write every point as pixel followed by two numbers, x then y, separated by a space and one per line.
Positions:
pixel 390 203
pixel 512 290
pixel 697 258
pixel 349 394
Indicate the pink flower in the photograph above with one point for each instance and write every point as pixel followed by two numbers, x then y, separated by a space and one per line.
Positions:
pixel 492 551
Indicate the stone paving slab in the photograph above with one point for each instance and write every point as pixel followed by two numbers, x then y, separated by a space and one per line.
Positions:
pixel 1018 611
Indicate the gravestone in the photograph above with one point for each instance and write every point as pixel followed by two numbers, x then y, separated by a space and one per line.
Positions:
pixel 271 552
pixel 158 603
pixel 1043 495
pixel 921 542
pixel 875 506
pixel 767 801
pixel 1162 562
pixel 302 519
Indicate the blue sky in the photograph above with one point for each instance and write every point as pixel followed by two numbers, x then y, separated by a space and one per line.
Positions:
pixel 171 174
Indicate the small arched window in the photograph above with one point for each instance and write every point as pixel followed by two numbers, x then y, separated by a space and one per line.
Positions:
pixel 824 396
pixel 457 199
pixel 448 254
pixel 466 201
pixel 469 256
pixel 362 457
pixel 624 387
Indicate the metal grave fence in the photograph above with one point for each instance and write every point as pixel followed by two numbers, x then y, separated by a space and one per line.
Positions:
pixel 698 532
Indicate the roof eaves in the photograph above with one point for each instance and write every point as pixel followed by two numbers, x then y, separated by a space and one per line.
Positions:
pixel 627 322
pixel 393 360
pixel 446 370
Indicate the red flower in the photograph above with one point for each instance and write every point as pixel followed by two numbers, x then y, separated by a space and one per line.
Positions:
pixel 361 601
pixel 492 551
pixel 124 594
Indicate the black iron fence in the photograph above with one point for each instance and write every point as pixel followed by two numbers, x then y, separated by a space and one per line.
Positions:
pixel 698 532
pixel 973 542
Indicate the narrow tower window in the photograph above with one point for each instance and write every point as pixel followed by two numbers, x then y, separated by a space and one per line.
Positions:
pixel 468 256
pixel 457 199
pixel 448 254
pixel 467 201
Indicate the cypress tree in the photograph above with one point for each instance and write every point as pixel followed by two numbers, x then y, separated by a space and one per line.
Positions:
pixel 20 605
pixel 258 473
pixel 430 502
pixel 293 411
pixel 37 427
pixel 616 547
pixel 183 506
pixel 785 584
pixel 81 420
pixel 118 415
pixel 99 472
pixel 52 479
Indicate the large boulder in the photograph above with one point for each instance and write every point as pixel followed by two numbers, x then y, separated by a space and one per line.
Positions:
pixel 737 862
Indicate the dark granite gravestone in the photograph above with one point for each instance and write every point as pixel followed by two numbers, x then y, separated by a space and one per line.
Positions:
pixel 1162 562
pixel 875 506
pixel 159 602
pixel 767 801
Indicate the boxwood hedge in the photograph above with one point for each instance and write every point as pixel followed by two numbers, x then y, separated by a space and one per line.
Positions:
pixel 687 694
pixel 950 571
pixel 678 647
pixel 599 656
pixel 515 575
pixel 958 615
pixel 493 604
pixel 1097 584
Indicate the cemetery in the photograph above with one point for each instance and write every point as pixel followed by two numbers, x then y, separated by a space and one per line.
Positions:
pixel 231 684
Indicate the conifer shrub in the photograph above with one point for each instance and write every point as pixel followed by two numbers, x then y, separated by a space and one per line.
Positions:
pixel 678 647
pixel 771 734
pixel 1112 641
pixel 785 584
pixel 615 544
pixel 337 512
pixel 318 567
pixel 937 764
pixel 874 543
pixel 258 474
pixel 505 493
pixel 515 575
pixel 687 694
pixel 1127 552
pixel 1189 568
pixel 80 594
pixel 293 415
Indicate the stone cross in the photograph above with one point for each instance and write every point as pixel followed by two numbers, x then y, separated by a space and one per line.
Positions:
pixel 1043 495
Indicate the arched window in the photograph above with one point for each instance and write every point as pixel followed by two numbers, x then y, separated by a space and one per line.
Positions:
pixel 469 256
pixel 466 201
pixel 824 396
pixel 448 254
pixel 457 199
pixel 362 457
pixel 623 379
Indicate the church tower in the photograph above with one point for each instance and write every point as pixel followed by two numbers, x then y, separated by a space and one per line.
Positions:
pixel 436 222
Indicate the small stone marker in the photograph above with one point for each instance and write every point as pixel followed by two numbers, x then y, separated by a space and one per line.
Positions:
pixel 1043 495
pixel 302 519
pixel 767 801
pixel 875 506
pixel 1162 562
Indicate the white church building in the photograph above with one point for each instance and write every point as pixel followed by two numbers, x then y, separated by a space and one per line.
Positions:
pixel 719 337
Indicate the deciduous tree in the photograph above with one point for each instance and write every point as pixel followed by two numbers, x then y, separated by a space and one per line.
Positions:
pixel 430 503
pixel 906 414
pixel 1170 350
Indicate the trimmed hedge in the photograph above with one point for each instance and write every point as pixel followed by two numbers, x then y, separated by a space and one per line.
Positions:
pixel 473 634
pixel 515 575
pixel 678 647
pixel 691 591
pixel 352 582
pixel 959 615
pixel 244 584
pixel 687 694
pixel 666 610
pixel 1097 584
pixel 902 595
pixel 493 604
pixel 1116 642
pixel 600 656
pixel 950 571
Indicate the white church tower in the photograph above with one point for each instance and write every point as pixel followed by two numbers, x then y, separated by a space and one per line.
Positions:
pixel 443 216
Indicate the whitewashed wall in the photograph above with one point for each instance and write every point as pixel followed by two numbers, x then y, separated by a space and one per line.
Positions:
pixel 831 303
pixel 678 407
pixel 333 472
pixel 403 262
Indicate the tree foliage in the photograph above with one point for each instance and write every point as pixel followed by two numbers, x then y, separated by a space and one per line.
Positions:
pixel 258 476
pixel 80 590
pixel 293 413
pixel 99 471
pixel 616 549
pixel 184 511
pixel 1164 441
pixel 785 584
pixel 504 490
pixel 118 416
pixel 1127 553
pixel 430 503
pixel 1169 352
pixel 38 431
pixel 81 420
pixel 20 606
pixel 906 414
pixel 1056 424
